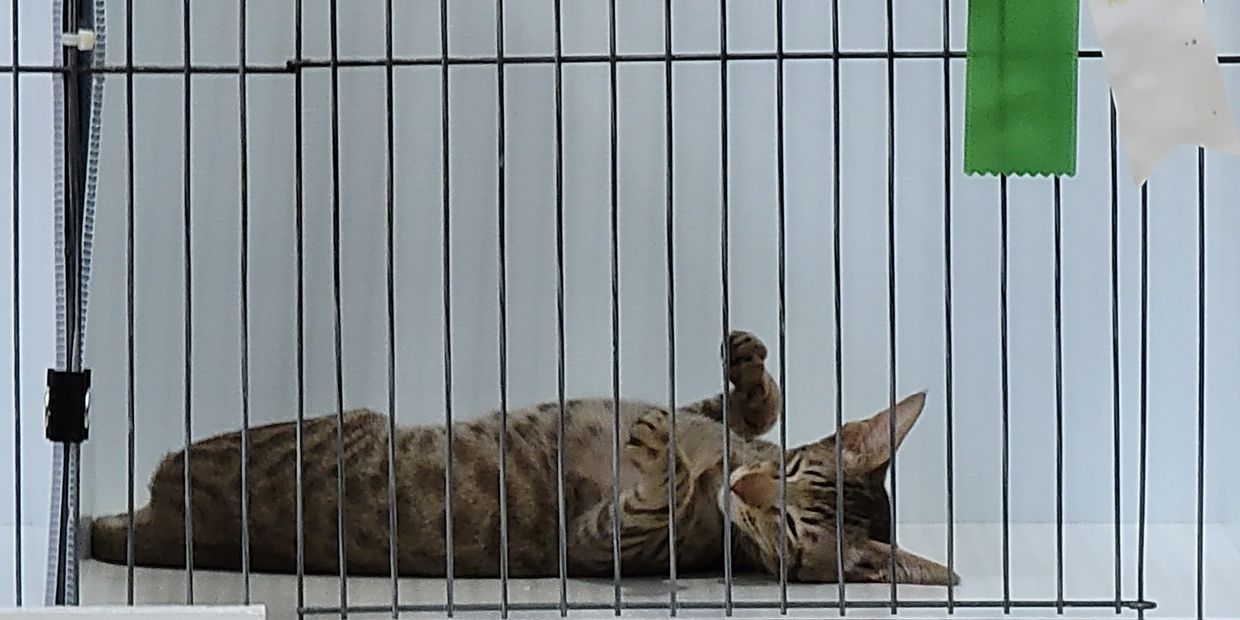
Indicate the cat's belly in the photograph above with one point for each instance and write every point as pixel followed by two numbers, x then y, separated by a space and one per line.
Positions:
pixel 533 486
pixel 538 523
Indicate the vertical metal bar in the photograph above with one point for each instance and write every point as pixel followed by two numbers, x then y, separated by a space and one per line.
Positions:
pixel 613 108
pixel 1059 600
pixel 1115 386
pixel 559 308
pixel 63 538
pixel 130 419
pixel 446 196
pixel 299 251
pixel 780 200
pixel 342 535
pixel 390 127
pixel 669 211
pixel 502 227
pixel 948 387
pixel 73 204
pixel 723 264
pixel 15 155
pixel 839 307
pixel 1201 380
pixel 1144 402
pixel 75 578
pixel 245 304
pixel 77 93
pixel 189 302
pixel 1003 373
pixel 891 283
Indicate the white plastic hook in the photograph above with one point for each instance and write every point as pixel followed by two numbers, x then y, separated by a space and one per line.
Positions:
pixel 83 39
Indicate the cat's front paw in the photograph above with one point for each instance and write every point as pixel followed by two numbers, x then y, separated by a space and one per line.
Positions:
pixel 648 439
pixel 747 357
pixel 647 449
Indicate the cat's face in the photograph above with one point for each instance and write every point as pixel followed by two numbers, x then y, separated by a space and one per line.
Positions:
pixel 809 526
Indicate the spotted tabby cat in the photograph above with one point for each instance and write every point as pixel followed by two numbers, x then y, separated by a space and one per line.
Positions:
pixel 532 491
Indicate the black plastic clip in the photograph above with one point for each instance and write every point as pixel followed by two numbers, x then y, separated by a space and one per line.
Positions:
pixel 67 406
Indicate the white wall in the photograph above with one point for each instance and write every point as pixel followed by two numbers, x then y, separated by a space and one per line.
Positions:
pixel 753 269
pixel 35 185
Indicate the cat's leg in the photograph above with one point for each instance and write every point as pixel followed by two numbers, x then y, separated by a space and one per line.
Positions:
pixel 643 506
pixel 754 402
pixel 871 563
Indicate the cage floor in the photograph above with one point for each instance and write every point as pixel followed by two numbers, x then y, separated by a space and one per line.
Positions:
pixel 1089 575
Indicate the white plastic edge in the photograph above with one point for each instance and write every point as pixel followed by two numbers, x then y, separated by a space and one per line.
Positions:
pixel 152 611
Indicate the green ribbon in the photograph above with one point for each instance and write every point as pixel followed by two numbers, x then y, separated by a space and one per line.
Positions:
pixel 1020 87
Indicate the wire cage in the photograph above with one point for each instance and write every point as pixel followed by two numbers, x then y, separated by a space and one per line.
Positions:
pixel 436 208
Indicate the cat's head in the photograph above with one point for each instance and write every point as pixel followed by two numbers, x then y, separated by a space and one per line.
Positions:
pixel 810 522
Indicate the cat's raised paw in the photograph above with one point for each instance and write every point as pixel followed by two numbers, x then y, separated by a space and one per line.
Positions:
pixel 745 344
pixel 747 356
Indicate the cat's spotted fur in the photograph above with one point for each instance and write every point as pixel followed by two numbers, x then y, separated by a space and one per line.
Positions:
pixel 531 490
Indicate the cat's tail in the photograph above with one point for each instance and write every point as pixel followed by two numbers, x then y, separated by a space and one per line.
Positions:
pixel 109 539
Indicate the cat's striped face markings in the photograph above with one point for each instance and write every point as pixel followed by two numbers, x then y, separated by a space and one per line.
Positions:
pixel 808 521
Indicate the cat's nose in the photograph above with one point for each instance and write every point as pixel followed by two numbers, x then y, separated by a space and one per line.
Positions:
pixel 755 490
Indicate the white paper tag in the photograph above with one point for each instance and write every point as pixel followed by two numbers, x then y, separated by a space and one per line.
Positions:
pixel 1165 79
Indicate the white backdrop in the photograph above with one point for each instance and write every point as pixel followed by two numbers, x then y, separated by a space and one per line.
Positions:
pixel 530 196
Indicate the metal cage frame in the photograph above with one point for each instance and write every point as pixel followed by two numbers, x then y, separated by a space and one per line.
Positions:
pixel 77 70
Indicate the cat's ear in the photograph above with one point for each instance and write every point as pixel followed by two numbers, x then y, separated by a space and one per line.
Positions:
pixel 866 444
pixel 870 562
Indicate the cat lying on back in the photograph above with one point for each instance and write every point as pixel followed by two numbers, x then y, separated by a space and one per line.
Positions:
pixel 532 515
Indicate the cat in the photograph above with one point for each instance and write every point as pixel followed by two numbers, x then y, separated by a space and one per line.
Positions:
pixel 533 541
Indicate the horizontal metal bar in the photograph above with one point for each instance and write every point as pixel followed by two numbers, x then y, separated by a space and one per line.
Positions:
pixel 178 70
pixel 708 605
pixel 293 66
